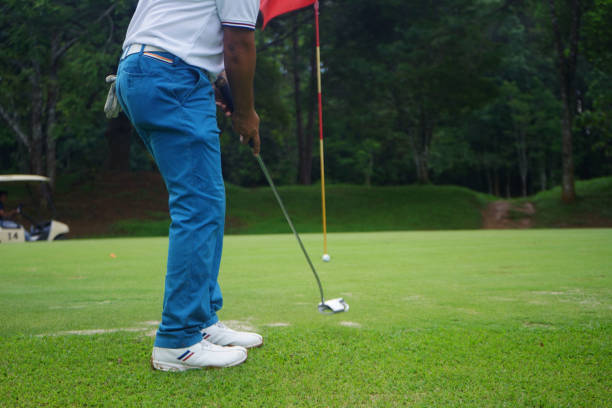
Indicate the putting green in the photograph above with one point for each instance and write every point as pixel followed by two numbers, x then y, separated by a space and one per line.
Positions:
pixel 466 318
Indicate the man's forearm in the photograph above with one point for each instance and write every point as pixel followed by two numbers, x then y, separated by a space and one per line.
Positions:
pixel 239 54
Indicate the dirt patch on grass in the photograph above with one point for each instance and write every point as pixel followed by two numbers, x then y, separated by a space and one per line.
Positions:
pixel 239 325
pixel 538 325
pixel 351 324
pixel 506 215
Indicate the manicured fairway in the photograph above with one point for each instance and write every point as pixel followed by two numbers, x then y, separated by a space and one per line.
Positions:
pixel 471 318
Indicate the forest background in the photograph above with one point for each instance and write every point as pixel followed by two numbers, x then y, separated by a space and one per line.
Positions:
pixel 504 97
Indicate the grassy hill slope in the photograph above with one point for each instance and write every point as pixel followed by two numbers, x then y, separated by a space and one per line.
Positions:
pixel 349 208
pixel 593 206
pixel 135 204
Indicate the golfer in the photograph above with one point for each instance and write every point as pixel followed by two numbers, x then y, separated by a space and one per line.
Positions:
pixel 172 51
pixel 5 214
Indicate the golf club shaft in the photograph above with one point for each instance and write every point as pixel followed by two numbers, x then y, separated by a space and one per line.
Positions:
pixel 280 202
pixel 226 92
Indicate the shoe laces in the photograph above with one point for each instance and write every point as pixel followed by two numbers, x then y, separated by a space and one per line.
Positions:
pixel 223 327
pixel 207 345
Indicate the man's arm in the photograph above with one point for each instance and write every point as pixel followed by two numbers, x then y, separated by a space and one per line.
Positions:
pixel 239 55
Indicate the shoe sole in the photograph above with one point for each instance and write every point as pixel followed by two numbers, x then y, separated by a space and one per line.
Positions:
pixel 247 347
pixel 173 367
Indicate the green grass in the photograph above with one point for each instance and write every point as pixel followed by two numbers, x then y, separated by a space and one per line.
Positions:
pixel 349 209
pixel 439 318
pixel 593 205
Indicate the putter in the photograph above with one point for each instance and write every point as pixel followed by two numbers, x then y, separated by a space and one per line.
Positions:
pixel 331 306
pixel 326 306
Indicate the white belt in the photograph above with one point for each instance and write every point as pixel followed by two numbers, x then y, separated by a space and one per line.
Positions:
pixel 135 48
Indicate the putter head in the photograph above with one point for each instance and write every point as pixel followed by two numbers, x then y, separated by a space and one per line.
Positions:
pixel 331 306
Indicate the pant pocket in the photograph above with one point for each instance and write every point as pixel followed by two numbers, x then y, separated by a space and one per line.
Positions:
pixel 148 101
pixel 188 81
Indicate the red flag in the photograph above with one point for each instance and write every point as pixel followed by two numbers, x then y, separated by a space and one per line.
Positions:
pixel 273 8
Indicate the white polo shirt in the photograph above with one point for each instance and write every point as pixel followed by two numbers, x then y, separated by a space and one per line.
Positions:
pixel 190 29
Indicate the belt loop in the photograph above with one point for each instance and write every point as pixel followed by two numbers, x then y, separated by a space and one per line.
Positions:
pixel 142 47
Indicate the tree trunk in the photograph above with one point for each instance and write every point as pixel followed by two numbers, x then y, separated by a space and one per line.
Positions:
pixel 369 170
pixel 37 140
pixel 521 147
pixel 497 184
pixel 420 141
pixel 119 137
pixel 51 159
pixel 508 187
pixel 489 181
pixel 423 168
pixel 52 98
pixel 543 181
pixel 566 66
pixel 568 189
pixel 36 150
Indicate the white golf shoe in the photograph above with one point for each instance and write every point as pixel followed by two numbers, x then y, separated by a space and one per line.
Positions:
pixel 222 335
pixel 201 355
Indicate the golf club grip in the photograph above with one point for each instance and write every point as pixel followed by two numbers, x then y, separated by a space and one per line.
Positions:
pixel 226 93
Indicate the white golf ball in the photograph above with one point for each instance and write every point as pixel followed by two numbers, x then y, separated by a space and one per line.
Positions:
pixel 326 258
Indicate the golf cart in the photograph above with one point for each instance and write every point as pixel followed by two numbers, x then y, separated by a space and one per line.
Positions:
pixel 38 231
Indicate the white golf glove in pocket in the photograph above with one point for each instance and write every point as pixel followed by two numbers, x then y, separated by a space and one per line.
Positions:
pixel 111 107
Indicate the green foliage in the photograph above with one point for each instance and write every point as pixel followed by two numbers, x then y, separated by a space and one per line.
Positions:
pixel 437 319
pixel 597 118
pixel 403 81
pixel 597 37
pixel 465 91
pixel 58 53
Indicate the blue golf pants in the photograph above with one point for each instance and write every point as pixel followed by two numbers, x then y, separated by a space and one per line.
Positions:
pixel 172 106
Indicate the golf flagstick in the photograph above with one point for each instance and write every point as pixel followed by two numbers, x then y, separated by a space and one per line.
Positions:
pixel 321 153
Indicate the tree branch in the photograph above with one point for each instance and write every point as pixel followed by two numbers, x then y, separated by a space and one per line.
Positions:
pixel 284 36
pixel 574 35
pixel 65 48
pixel 557 36
pixel 111 31
pixel 74 40
pixel 10 119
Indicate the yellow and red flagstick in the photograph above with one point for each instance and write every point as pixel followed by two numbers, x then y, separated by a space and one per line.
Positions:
pixel 320 100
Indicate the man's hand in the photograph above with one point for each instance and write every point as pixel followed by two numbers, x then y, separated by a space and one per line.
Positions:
pixel 221 100
pixel 247 126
